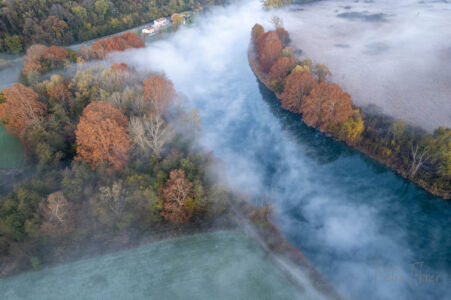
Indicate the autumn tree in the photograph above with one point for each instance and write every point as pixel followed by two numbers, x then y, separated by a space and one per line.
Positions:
pixel 85 52
pixel 56 28
pixel 133 40
pixel 326 105
pixel 283 36
pixel 21 105
pixel 159 93
pixel 32 66
pixel 55 55
pixel 58 91
pixel 281 68
pixel 121 67
pixel 351 130
pixel 306 64
pixel 275 3
pixel 257 31
pixel 101 136
pixel 289 52
pixel 113 80
pixel 35 52
pixel 298 85
pixel 177 194
pixel 58 214
pixel 115 43
pixel 440 146
pixel 269 49
pixel 102 47
pixel 322 71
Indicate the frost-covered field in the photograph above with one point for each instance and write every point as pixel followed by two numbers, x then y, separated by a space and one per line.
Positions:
pixel 394 54
pixel 221 265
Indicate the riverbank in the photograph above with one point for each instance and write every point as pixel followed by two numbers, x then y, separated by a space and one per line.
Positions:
pixel 362 147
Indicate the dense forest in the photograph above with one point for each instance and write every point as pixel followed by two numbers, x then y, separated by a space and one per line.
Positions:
pixel 111 159
pixel 304 88
pixel 56 22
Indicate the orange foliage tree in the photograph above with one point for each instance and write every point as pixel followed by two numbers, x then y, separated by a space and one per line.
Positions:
pixel 269 49
pixel 101 136
pixel 327 104
pixel 32 56
pixel 298 85
pixel 123 67
pixel 283 35
pixel 55 55
pixel 20 106
pixel 177 194
pixel 35 52
pixel 133 40
pixel 281 68
pixel 257 31
pixel 61 93
pixel 159 93
pixel 32 66
pixel 116 43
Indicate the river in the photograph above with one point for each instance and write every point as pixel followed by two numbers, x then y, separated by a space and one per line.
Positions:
pixel 367 230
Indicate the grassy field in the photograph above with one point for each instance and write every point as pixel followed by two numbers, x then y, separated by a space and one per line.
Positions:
pixel 221 265
pixel 11 151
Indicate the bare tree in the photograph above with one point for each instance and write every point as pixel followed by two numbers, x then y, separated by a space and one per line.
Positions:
pixel 150 133
pixel 114 198
pixel 277 22
pixel 419 157
pixel 58 207
pixel 59 216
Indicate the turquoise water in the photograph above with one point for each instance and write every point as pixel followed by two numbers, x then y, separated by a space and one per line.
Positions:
pixel 11 150
pixel 222 265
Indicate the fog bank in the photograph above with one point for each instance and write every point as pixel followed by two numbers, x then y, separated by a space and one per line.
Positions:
pixel 395 54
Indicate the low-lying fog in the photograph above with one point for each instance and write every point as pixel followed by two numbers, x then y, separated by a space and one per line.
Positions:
pixel 392 53
pixel 350 216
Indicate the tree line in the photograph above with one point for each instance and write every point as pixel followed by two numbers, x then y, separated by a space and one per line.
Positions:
pixel 112 158
pixel 304 88
pixel 40 59
pixel 55 22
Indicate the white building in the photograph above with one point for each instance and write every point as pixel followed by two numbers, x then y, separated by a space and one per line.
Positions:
pixel 148 30
pixel 161 22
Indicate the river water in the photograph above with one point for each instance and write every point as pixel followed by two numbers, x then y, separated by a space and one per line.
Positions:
pixel 367 230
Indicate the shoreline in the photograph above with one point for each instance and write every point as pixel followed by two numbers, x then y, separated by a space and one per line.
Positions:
pixel 445 195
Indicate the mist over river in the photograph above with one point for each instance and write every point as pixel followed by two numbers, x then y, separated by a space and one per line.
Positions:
pixel 369 232
pixel 364 228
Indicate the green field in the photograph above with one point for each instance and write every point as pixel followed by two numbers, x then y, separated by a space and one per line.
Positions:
pixel 11 151
pixel 221 265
